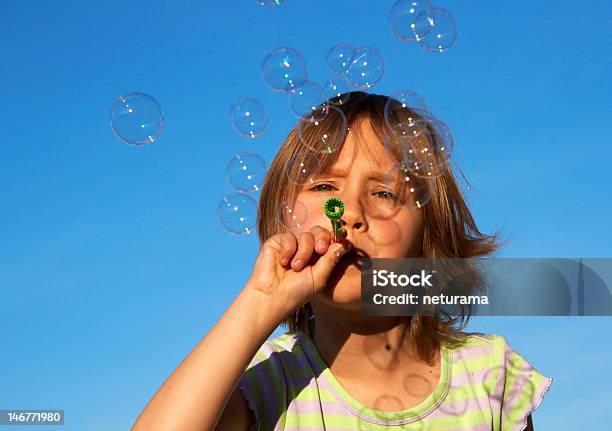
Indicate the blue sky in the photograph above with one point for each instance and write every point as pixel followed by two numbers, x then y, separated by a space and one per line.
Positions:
pixel 112 263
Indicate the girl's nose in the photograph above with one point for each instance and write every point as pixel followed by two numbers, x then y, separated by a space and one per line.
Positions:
pixel 353 218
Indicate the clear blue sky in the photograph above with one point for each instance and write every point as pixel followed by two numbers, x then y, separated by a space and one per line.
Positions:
pixel 112 263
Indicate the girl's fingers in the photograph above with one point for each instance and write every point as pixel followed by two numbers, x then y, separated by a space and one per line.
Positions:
pixel 289 245
pixel 325 265
pixel 304 251
pixel 322 238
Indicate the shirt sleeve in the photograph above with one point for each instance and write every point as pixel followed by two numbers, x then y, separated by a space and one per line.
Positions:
pixel 262 386
pixel 518 387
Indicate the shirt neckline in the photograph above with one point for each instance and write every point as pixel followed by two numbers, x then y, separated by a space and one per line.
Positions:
pixel 401 417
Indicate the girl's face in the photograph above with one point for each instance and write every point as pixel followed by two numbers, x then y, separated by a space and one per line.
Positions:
pixel 358 178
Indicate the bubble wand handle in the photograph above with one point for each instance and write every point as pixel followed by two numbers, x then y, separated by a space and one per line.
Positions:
pixel 334 208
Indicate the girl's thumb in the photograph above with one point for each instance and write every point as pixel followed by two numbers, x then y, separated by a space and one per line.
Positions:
pixel 326 263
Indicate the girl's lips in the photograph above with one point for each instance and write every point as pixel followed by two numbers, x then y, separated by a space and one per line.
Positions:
pixel 355 257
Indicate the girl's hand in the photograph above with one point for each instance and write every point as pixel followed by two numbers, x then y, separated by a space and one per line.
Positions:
pixel 291 269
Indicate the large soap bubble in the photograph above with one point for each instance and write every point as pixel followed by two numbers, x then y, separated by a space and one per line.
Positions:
pixel 366 68
pixel 309 102
pixel 246 172
pixel 435 29
pixel 302 167
pixel 137 118
pixel 402 17
pixel 409 191
pixel 326 135
pixel 284 69
pixel 237 213
pixel 292 216
pixel 404 106
pixel 249 117
pixel 337 90
pixel 339 58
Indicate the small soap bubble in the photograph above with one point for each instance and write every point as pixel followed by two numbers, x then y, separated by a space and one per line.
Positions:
pixel 366 68
pixel 292 217
pixel 402 17
pixel 269 3
pixel 435 29
pixel 137 118
pixel 246 172
pixel 309 102
pixel 284 69
pixel 337 90
pixel 409 190
pixel 339 58
pixel 326 135
pixel 302 167
pixel 237 213
pixel 405 106
pixel 249 117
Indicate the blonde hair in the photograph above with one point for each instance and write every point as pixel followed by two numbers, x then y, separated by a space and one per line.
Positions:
pixel 449 228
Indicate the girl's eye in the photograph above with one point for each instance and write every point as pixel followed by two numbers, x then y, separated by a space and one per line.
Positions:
pixel 321 187
pixel 328 188
pixel 385 195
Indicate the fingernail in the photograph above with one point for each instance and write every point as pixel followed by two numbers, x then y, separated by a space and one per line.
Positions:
pixel 321 244
pixel 284 261
pixel 340 250
pixel 298 263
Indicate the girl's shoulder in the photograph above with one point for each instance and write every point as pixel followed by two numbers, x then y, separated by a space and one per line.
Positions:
pixel 474 345
pixel 487 367
pixel 492 354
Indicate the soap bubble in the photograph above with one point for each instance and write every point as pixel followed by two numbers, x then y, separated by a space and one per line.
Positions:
pixel 337 91
pixel 425 146
pixel 284 69
pixel 269 3
pixel 339 58
pixel 366 68
pixel 326 135
pixel 409 190
pixel 405 106
pixel 248 117
pixel 237 213
pixel 137 118
pixel 246 172
pixel 309 102
pixel 402 17
pixel 292 217
pixel 435 29
pixel 302 167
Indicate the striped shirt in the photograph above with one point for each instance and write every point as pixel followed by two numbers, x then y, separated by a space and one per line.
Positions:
pixel 484 386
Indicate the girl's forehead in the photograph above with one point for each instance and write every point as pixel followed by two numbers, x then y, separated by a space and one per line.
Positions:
pixel 362 146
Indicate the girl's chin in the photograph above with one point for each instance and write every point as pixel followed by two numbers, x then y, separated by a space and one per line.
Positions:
pixel 344 285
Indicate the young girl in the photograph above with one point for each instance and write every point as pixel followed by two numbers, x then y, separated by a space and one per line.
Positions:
pixel 335 368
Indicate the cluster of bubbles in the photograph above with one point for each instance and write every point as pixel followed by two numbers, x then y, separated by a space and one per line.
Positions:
pixel 237 211
pixel 362 67
pixel 421 142
pixel 433 28
pixel 137 119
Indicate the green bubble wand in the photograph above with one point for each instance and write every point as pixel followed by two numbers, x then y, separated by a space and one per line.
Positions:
pixel 334 208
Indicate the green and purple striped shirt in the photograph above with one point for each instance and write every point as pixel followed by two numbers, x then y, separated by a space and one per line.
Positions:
pixel 484 386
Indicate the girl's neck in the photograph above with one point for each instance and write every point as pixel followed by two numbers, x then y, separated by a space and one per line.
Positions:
pixel 373 346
